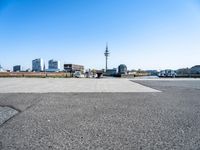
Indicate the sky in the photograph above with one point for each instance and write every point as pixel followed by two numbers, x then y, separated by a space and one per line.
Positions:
pixel 143 34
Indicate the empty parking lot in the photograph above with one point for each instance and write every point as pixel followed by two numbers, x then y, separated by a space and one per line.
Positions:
pixel 108 114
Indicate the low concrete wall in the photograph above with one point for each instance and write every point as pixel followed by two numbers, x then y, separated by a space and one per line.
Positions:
pixel 36 74
pixel 134 75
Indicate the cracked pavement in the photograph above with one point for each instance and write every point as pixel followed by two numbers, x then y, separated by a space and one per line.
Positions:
pixel 151 120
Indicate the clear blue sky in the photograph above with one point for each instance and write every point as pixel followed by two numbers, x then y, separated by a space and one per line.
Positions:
pixel 145 34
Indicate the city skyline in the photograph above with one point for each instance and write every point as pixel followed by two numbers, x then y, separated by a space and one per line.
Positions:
pixel 141 34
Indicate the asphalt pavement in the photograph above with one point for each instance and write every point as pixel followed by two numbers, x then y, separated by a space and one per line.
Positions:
pixel 106 120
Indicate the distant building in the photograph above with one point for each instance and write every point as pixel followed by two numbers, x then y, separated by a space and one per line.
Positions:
pixel 167 73
pixel 17 68
pixel 1 69
pixel 183 72
pixel 122 69
pixel 111 72
pixel 152 72
pixel 54 66
pixel 195 69
pixel 72 68
pixel 38 65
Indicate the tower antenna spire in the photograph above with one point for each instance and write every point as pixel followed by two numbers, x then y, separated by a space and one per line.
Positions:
pixel 106 55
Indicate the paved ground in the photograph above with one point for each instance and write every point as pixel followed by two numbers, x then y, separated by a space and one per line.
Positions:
pixel 151 120
pixel 6 113
pixel 47 85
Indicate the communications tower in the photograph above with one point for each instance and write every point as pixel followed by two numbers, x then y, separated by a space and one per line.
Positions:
pixel 106 55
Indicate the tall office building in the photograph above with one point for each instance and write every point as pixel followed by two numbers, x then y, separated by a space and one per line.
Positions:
pixel 54 65
pixel 38 65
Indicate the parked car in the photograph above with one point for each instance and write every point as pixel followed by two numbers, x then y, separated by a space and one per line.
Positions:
pixel 78 74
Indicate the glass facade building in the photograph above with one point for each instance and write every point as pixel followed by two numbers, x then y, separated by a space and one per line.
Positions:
pixel 38 65
pixel 17 68
pixel 54 65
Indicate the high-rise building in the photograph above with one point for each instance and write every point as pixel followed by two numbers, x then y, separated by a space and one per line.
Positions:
pixel 38 65
pixel 54 65
pixel 17 68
